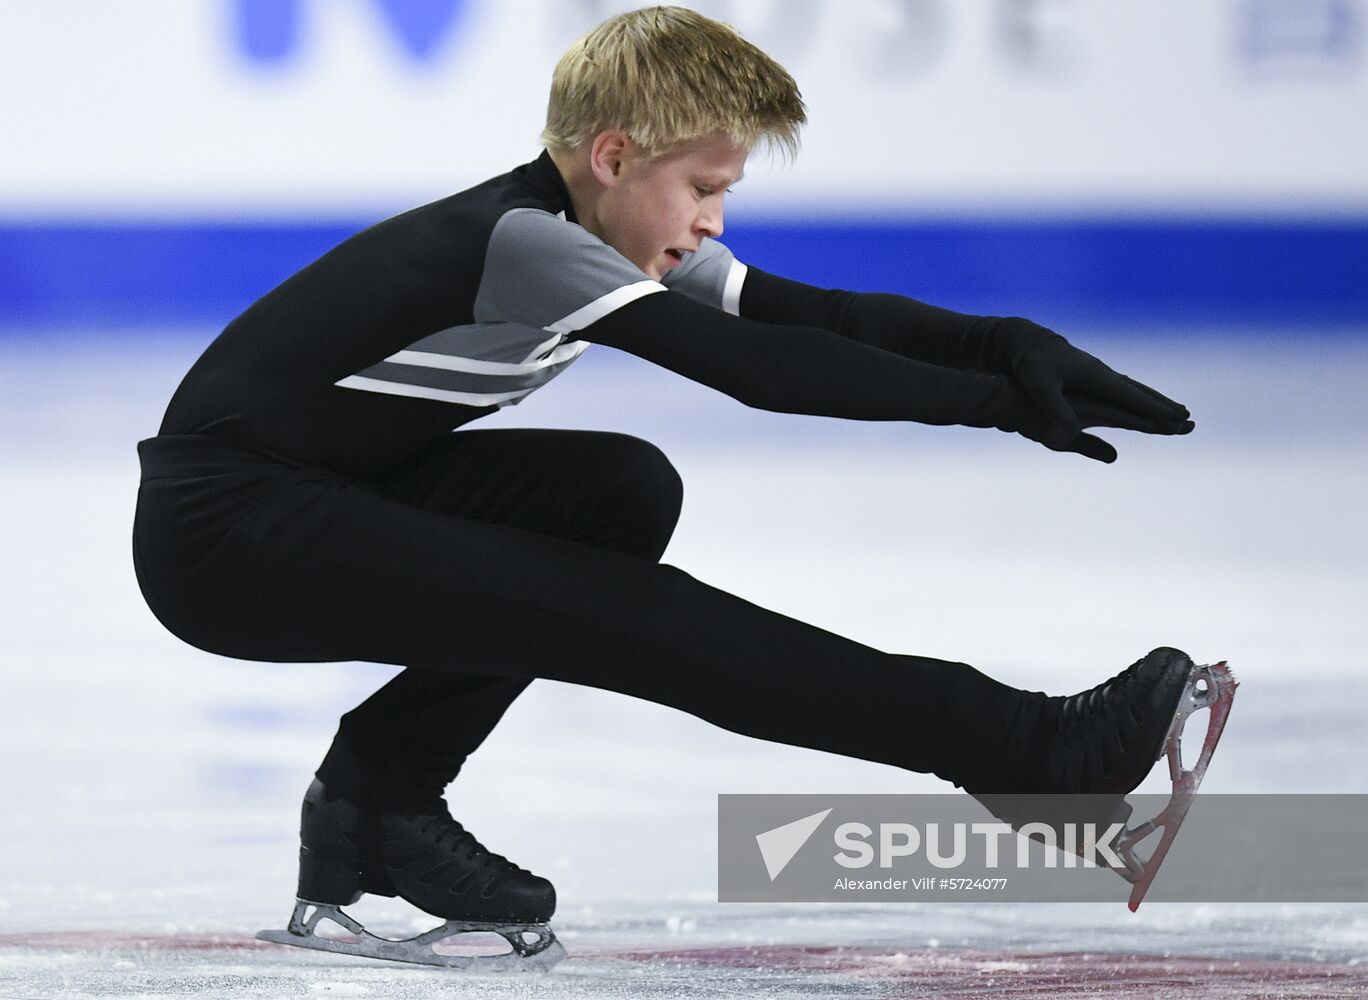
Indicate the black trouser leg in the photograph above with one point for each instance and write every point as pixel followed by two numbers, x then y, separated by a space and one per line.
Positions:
pixel 266 561
pixel 409 739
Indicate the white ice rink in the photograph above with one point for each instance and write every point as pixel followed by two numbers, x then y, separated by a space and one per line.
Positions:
pixel 150 791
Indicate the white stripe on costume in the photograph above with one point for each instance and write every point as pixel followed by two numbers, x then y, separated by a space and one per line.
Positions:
pixel 731 291
pixel 427 392
pixel 603 305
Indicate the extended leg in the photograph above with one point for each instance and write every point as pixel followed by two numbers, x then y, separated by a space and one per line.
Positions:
pixel 314 567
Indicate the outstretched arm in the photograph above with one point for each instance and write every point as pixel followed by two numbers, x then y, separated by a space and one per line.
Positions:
pixel 1073 387
pixel 547 273
pixel 892 323
pixel 805 369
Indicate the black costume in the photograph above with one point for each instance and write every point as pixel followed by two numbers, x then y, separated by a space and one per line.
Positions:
pixel 306 501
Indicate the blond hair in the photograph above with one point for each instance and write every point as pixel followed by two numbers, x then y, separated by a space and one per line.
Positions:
pixel 668 75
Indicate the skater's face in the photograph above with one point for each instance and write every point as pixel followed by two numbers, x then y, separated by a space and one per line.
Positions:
pixel 654 209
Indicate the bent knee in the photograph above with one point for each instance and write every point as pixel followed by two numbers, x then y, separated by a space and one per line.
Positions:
pixel 650 492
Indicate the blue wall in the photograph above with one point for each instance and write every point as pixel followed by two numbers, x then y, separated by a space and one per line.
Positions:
pixel 1132 271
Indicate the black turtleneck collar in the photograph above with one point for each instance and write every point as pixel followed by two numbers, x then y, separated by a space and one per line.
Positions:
pixel 544 171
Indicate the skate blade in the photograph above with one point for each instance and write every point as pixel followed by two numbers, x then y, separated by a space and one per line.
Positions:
pixel 534 956
pixel 1209 686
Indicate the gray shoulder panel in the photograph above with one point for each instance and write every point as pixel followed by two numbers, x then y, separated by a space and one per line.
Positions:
pixel 545 272
pixel 711 275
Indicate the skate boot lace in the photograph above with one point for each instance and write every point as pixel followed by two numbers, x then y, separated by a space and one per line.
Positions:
pixel 1087 738
pixel 450 834
pixel 1090 704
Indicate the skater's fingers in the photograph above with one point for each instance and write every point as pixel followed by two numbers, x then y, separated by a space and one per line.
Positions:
pixel 1093 447
pixel 1106 386
pixel 1178 409
pixel 1095 413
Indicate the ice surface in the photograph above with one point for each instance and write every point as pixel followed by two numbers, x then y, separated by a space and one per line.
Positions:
pixel 151 791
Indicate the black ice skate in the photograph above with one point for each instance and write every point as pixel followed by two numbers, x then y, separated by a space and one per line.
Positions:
pixel 430 860
pixel 1101 743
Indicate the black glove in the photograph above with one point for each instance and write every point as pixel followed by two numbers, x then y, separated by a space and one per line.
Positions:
pixel 1067 390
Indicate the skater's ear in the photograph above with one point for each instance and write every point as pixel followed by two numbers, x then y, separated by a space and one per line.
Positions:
pixel 609 154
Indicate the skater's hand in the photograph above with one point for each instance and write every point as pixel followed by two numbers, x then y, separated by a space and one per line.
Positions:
pixel 1072 390
pixel 1031 421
